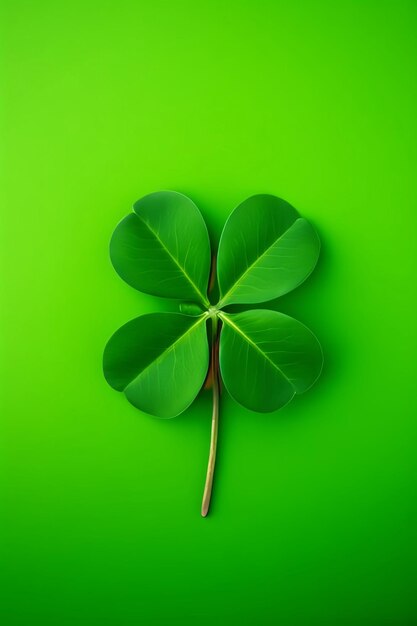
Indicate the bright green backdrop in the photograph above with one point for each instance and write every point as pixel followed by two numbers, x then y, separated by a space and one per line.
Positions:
pixel 314 515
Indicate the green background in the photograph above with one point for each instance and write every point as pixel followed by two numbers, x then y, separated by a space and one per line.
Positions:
pixel 314 511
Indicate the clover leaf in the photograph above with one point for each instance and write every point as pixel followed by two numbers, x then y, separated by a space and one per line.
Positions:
pixel 161 360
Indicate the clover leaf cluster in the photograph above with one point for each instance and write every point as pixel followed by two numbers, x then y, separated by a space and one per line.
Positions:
pixel 161 360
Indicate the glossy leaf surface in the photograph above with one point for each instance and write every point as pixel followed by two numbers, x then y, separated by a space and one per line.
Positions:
pixel 163 248
pixel 159 360
pixel 266 357
pixel 266 249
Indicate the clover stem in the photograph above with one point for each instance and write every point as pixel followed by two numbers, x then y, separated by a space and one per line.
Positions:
pixel 214 417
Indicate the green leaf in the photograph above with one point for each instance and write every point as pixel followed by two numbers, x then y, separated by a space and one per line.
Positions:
pixel 159 360
pixel 163 247
pixel 266 249
pixel 266 357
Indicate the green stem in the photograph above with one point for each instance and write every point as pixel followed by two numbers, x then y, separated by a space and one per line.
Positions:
pixel 214 418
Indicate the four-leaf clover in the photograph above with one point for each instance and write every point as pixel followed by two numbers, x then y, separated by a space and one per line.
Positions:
pixel 161 360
